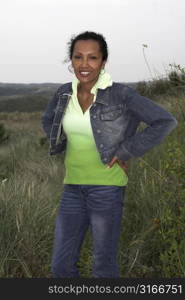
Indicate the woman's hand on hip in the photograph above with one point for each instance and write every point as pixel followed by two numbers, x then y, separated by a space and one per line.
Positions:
pixel 121 163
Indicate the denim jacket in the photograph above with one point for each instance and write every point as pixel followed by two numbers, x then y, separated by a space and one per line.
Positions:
pixel 115 116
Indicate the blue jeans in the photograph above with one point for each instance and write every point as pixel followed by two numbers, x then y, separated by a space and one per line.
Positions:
pixel 99 207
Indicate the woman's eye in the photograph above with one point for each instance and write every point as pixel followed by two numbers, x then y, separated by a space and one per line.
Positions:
pixel 79 57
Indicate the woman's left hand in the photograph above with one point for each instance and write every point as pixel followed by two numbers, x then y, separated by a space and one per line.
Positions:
pixel 120 162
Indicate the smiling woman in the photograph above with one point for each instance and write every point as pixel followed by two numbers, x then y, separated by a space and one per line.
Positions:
pixel 87 61
pixel 94 120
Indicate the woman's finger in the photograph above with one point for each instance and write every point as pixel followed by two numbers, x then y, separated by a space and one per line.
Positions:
pixel 114 159
pixel 123 166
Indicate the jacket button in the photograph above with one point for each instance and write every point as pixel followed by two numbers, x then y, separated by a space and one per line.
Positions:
pixel 98 130
pixel 101 145
pixel 94 116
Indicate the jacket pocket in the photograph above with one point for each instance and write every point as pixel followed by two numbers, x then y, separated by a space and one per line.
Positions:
pixel 112 115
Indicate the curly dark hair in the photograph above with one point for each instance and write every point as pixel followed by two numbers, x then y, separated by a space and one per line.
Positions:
pixel 88 35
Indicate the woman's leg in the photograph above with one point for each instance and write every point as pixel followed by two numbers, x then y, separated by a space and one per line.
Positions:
pixel 71 225
pixel 105 207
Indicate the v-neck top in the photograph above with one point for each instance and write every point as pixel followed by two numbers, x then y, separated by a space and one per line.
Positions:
pixel 82 160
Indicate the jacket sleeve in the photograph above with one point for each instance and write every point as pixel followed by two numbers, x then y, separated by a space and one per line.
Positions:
pixel 48 116
pixel 160 123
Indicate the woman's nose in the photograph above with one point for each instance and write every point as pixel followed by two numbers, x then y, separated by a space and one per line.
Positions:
pixel 84 62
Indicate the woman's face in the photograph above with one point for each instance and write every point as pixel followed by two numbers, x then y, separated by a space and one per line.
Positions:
pixel 87 61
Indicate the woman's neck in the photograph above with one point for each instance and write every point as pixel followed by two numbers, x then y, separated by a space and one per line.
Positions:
pixel 85 88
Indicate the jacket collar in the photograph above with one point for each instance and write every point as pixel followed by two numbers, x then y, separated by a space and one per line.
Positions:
pixel 102 94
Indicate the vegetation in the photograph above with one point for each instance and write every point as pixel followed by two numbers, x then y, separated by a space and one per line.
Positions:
pixel 25 97
pixel 3 133
pixel 152 240
pixel 173 84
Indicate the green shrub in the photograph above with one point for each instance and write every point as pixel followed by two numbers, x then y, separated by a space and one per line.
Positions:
pixel 43 141
pixel 3 133
pixel 172 84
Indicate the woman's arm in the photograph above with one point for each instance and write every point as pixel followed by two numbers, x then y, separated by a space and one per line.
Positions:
pixel 48 116
pixel 160 123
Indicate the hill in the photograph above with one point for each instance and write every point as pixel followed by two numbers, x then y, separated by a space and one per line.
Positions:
pixel 27 97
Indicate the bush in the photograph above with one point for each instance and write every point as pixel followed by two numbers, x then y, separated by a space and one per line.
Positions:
pixel 172 256
pixel 171 85
pixel 3 133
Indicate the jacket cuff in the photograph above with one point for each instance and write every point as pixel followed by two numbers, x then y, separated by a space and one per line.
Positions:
pixel 123 154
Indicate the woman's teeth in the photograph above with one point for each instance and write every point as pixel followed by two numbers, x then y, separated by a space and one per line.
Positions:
pixel 84 73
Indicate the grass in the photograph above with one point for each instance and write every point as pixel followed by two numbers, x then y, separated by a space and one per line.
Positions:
pixel 152 242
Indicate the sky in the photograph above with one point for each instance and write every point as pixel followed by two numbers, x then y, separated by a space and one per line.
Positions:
pixel 34 36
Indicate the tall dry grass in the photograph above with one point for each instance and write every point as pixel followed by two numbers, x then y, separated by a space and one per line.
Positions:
pixel 152 242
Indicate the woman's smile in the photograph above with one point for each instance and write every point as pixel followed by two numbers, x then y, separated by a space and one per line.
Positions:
pixel 87 61
pixel 84 74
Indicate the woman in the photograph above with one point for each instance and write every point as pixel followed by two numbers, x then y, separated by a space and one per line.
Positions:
pixel 93 120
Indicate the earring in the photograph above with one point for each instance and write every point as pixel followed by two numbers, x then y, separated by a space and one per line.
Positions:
pixel 102 71
pixel 70 68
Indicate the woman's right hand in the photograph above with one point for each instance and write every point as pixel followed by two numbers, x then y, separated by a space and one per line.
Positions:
pixel 121 163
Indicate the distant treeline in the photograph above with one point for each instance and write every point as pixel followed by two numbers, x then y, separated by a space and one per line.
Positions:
pixel 27 97
pixel 9 89
pixel 34 97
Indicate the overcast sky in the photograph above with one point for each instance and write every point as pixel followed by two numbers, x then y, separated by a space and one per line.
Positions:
pixel 34 36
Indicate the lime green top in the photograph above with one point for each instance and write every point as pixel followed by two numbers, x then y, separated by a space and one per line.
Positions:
pixel 82 162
